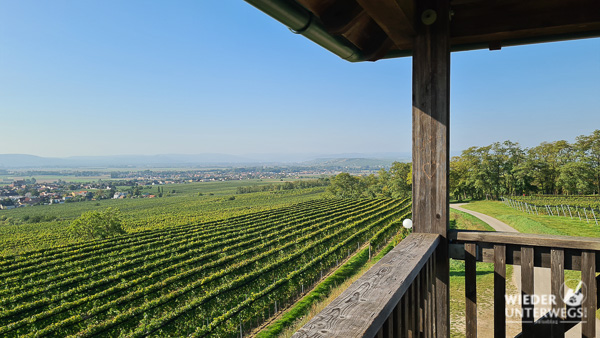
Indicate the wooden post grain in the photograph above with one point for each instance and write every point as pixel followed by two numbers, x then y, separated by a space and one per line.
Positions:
pixel 499 290
pixel 527 283
pixel 431 113
pixel 557 280
pixel 589 306
pixel 471 289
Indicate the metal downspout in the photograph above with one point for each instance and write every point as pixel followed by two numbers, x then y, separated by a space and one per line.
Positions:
pixel 301 21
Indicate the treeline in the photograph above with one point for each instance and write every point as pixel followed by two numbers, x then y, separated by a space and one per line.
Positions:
pixel 506 168
pixel 321 182
pixel 395 183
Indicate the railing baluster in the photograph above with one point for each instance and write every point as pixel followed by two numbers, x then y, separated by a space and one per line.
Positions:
pixel 557 280
pixel 428 315
pixel 414 314
pixel 411 311
pixel 397 314
pixel 527 290
pixel 434 294
pixel 405 310
pixel 388 328
pixel 380 333
pixel 471 289
pixel 499 290
pixel 589 306
pixel 419 305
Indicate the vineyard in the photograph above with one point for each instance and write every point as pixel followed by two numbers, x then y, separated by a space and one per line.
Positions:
pixel 184 207
pixel 586 208
pixel 213 278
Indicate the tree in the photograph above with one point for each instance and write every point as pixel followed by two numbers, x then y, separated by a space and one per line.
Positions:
pixel 588 147
pixel 98 224
pixel 346 186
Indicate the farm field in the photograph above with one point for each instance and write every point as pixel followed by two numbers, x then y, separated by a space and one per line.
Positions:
pixel 204 278
pixel 190 203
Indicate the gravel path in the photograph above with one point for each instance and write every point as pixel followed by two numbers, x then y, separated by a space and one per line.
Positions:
pixel 541 275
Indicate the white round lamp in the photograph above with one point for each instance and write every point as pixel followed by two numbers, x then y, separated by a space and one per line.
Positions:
pixel 407 223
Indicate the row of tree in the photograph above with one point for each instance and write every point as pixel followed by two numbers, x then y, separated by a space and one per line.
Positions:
pixel 395 183
pixel 320 182
pixel 506 168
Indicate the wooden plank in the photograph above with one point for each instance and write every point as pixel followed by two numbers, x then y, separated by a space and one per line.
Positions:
pixel 397 314
pixel 414 314
pixel 566 242
pixel 431 121
pixel 427 311
pixel 517 18
pixel 527 289
pixel 395 17
pixel 337 16
pixel 434 294
pixel 362 309
pixel 557 281
pixel 471 289
pixel 589 305
pixel 419 302
pixel 406 311
pixel 499 291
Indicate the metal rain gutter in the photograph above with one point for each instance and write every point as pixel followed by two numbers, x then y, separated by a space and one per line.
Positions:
pixel 301 21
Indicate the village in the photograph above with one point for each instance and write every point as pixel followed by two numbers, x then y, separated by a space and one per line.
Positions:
pixel 128 184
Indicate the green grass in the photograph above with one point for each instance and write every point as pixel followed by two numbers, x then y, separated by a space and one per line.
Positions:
pixel 467 222
pixel 534 224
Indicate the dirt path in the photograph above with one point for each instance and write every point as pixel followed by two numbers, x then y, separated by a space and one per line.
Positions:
pixel 541 275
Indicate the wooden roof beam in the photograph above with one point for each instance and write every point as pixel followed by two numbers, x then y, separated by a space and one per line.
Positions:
pixel 498 21
pixel 395 17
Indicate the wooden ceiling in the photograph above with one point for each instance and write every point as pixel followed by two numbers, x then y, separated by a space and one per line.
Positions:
pixel 385 28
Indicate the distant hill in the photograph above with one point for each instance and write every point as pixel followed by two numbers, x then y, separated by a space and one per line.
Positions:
pixel 23 160
pixel 340 161
pixel 31 161
pixel 351 163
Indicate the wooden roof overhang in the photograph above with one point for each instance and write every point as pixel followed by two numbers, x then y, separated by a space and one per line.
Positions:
pixel 369 30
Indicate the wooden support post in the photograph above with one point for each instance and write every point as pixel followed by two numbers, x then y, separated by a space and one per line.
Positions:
pixel 431 117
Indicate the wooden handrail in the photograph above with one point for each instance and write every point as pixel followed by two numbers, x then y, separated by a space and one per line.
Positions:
pixel 365 308
pixel 543 244
pixel 517 238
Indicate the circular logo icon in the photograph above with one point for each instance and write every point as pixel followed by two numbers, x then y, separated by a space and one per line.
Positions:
pixel 573 297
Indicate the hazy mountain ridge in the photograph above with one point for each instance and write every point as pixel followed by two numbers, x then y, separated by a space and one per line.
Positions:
pixel 343 160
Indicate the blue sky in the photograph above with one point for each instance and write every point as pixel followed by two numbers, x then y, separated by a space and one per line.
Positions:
pixel 149 77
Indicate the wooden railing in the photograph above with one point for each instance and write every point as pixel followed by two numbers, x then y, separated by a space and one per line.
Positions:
pixel 395 298
pixel 529 251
